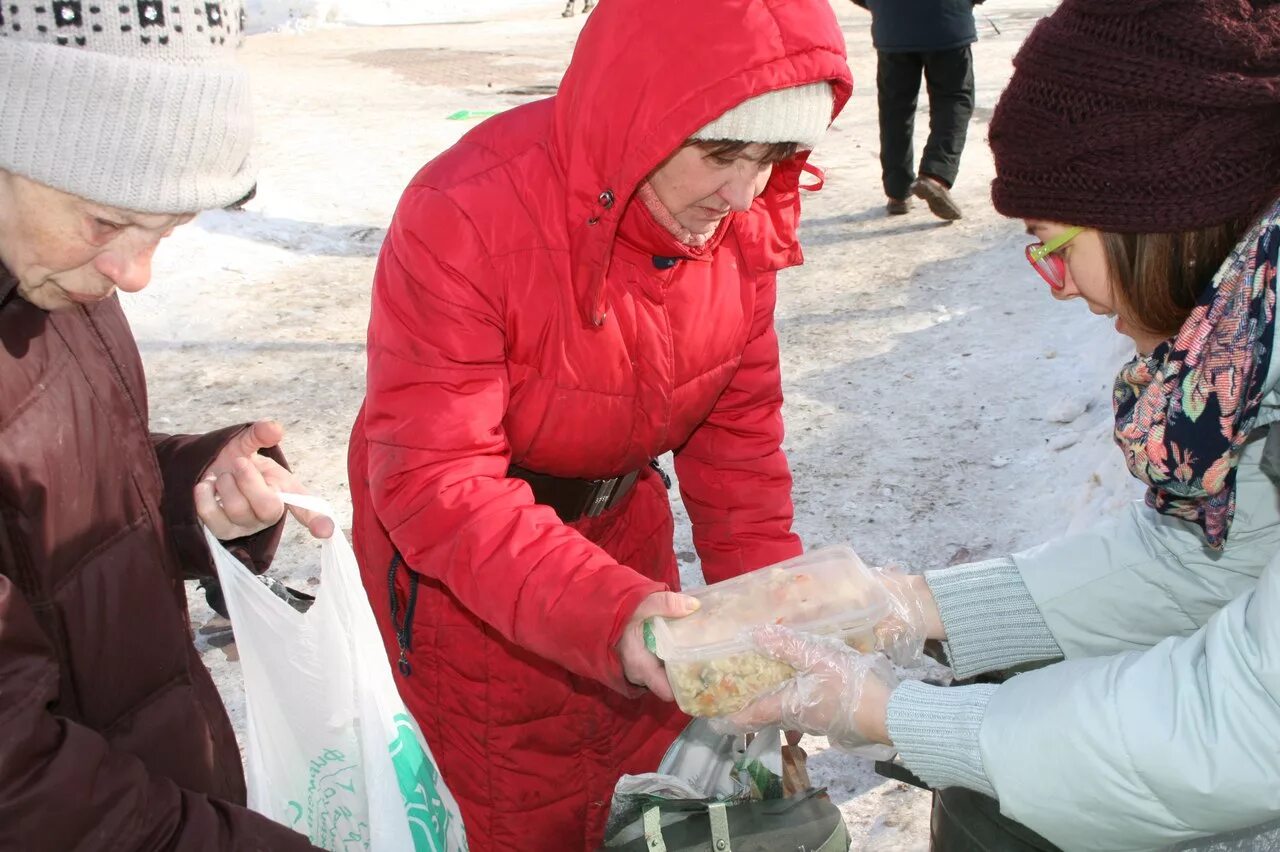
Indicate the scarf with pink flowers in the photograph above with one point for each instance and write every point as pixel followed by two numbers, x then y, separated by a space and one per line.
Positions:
pixel 1184 412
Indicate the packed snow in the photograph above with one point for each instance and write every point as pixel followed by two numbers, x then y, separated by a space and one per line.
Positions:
pixel 941 407
pixel 277 15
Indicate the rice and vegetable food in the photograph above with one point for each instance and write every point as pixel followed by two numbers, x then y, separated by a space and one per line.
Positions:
pixel 717 685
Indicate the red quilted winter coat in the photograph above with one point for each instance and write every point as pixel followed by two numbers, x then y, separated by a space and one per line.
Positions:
pixel 519 316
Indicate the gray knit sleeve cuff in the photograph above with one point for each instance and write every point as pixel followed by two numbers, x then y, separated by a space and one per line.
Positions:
pixel 991 620
pixel 935 730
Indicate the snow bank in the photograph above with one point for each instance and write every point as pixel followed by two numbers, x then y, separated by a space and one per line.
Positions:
pixel 268 15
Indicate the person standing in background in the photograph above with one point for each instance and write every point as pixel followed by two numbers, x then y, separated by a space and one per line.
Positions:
pixel 933 36
pixel 587 6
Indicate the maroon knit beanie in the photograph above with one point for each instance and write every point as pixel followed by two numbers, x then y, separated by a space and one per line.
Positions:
pixel 1142 116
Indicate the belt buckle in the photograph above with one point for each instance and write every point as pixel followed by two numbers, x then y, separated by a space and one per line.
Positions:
pixel 604 491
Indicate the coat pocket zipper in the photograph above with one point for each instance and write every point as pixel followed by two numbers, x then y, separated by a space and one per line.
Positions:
pixel 403 630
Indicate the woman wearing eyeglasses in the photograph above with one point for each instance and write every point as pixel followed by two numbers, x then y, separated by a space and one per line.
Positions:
pixel 1140 145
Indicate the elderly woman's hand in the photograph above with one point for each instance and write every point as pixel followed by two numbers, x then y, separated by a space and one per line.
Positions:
pixel 837 691
pixel 239 493
pixel 640 665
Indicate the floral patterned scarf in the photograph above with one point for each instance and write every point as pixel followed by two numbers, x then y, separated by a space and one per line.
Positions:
pixel 1184 412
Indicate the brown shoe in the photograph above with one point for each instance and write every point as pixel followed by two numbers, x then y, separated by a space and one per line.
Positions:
pixel 897 206
pixel 568 10
pixel 937 196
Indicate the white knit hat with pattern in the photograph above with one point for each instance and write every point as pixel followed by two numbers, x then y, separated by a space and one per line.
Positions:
pixel 800 114
pixel 134 104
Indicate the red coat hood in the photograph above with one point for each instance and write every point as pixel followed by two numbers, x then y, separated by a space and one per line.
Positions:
pixel 646 74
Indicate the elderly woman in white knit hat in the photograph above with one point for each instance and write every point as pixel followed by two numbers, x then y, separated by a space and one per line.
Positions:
pixel 118 122
pixel 579 286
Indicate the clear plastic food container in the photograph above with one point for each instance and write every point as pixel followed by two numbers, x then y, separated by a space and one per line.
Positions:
pixel 712 667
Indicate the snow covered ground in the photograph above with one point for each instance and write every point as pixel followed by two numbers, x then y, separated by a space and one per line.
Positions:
pixel 941 407
pixel 296 15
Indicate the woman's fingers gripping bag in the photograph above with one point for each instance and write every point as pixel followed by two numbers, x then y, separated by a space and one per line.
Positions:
pixel 330 749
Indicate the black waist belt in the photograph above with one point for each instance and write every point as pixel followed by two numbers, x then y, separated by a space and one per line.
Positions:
pixel 573 499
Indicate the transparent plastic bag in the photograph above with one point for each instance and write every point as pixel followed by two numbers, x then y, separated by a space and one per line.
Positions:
pixel 715 671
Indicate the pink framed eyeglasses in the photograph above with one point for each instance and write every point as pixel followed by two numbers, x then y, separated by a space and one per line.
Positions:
pixel 1046 258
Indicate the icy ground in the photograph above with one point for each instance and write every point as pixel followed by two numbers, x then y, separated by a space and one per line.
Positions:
pixel 940 406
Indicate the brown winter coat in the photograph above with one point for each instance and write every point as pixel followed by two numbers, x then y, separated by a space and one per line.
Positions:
pixel 112 735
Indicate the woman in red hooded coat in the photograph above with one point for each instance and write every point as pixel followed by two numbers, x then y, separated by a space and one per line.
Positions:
pixel 576 287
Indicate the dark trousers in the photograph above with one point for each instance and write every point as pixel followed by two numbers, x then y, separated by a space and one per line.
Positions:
pixel 948 76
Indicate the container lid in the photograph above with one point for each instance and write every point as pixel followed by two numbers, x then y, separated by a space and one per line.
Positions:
pixel 828 591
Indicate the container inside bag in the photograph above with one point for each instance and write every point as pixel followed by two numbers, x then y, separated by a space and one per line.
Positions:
pixel 714 670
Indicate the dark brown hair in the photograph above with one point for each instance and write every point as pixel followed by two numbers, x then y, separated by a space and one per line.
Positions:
pixel 774 152
pixel 1160 276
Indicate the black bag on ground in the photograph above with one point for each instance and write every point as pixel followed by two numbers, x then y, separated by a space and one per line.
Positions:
pixel 808 821
pixel 717 793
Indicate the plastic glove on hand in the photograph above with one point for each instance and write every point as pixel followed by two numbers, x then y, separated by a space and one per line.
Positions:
pixel 837 691
pixel 901 633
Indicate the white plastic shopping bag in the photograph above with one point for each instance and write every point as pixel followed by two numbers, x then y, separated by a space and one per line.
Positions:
pixel 331 750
